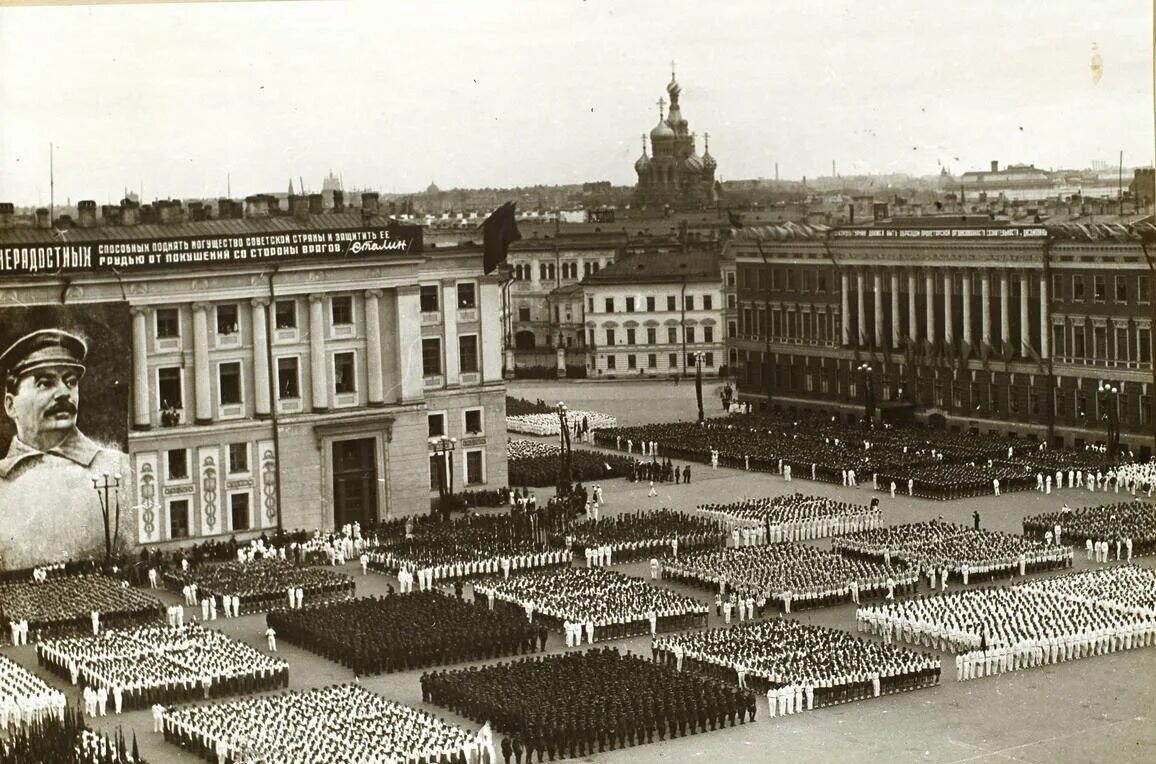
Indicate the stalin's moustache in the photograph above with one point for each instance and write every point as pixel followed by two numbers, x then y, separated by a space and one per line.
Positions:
pixel 61 407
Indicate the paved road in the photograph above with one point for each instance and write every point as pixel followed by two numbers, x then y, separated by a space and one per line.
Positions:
pixel 1099 709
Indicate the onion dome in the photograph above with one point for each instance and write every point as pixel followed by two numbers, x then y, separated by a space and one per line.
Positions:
pixel 692 162
pixel 643 163
pixel 662 130
pixel 707 160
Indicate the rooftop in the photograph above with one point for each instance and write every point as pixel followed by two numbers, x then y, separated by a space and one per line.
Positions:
pixel 671 267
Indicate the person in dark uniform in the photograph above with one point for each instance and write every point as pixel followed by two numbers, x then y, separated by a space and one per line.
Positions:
pixel 507 749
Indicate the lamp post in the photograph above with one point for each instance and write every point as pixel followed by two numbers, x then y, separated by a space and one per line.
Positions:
pixel 444 448
pixel 698 357
pixel 102 487
pixel 868 393
pixel 563 487
pixel 1109 398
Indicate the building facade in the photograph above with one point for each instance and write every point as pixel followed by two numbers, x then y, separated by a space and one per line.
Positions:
pixel 652 314
pixel 305 391
pixel 1007 330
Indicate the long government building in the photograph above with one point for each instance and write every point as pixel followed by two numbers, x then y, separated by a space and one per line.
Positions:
pixel 1001 330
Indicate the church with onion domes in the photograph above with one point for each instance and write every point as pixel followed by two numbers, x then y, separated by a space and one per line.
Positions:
pixel 673 174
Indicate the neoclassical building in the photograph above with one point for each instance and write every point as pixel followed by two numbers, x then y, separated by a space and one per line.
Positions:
pixel 673 174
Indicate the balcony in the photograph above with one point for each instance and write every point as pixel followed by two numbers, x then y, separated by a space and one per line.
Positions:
pixel 467 315
pixel 431 318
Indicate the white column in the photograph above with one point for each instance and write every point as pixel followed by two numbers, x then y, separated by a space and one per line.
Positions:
pixel 375 394
pixel 877 283
pixel 985 302
pixel 450 330
pixel 318 369
pixel 965 287
pixel 912 321
pixel 533 278
pixel 259 311
pixel 895 321
pixel 1045 339
pixel 1025 328
pixel 845 315
pixel 948 318
pixel 929 307
pixel 491 339
pixel 141 413
pixel 202 389
pixel 1004 321
pixel 862 310
pixel 409 343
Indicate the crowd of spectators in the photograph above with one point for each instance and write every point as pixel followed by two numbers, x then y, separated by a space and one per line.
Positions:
pixel 339 724
pixel 792 517
pixel 579 703
pixel 813 666
pixel 137 668
pixel 604 604
pixel 405 631
pixel 262 584
pixel 66 605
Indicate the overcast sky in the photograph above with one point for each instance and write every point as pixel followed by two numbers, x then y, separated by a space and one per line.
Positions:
pixel 499 93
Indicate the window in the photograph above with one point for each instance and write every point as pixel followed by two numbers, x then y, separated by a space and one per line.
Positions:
pixel 238 457
pixel 671 334
pixel 437 425
pixel 689 334
pixel 343 376
pixel 609 304
pixel 168 323
pixel 169 388
pixel 1100 342
pixel 590 303
pixel 474 473
pixel 731 301
pixel 1078 341
pixel 629 336
pixel 707 302
pixel 651 336
pixel 1145 339
pixel 689 302
pixel 649 304
pixel 227 320
pixel 689 360
pixel 610 337
pixel 790 279
pixel 1144 290
pixel 557 314
pixel 805 281
pixel 178 460
pixel 523 313
pixel 732 329
pixel 652 361
pixel 239 511
pixel 1077 287
pixel 1058 344
pixel 229 376
pixel 709 361
pixel 1121 289
pixel 1057 286
pixel 341 309
pixel 437 466
pixel 629 304
pixel 1122 353
pixel 586 269
pixel 1100 287
pixel 429 299
pixel 468 353
pixel 596 266
pixel 285 314
pixel 288 382
pixel 730 278
pixel 708 334
pixel 467 298
pixel 671 302
pixel 609 362
pixel 473 421
pixel 179 519
pixel 821 281
pixel 431 356
pixel 631 361
pixel 672 361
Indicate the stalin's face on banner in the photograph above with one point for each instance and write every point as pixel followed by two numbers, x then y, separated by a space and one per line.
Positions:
pixel 65 480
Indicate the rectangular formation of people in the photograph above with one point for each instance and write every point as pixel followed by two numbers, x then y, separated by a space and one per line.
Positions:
pixel 26 699
pixel 1127 528
pixel 65 605
pixel 791 517
pixel 138 668
pixel 638 535
pixel 256 586
pixel 994 630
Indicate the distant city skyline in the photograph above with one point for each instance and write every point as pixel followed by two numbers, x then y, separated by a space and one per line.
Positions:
pixel 187 100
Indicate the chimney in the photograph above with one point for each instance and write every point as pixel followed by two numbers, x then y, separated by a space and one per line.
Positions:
pixel 369 203
pixel 7 214
pixel 43 221
pixel 129 212
pixel 299 207
pixel 339 201
pixel 86 213
pixel 994 165
pixel 315 206
pixel 196 212
pixel 167 211
pixel 256 206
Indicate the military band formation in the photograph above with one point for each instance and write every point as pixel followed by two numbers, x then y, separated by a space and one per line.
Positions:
pixel 532 586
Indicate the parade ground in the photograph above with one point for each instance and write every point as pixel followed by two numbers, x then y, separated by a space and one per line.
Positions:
pixel 1092 710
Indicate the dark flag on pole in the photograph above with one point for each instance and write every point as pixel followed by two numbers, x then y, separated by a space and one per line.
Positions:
pixel 498 232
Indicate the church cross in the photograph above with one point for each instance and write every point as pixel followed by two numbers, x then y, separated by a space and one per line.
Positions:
pixel 661 104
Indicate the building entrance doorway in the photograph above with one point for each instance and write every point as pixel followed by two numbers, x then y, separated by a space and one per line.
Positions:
pixel 354 482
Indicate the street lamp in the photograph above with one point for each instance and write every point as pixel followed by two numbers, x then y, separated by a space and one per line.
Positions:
pixel 1109 398
pixel 564 442
pixel 698 356
pixel 868 393
pixel 444 448
pixel 102 487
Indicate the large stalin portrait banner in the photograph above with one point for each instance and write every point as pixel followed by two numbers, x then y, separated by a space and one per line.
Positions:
pixel 64 468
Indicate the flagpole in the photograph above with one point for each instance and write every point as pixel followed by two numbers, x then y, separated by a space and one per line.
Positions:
pixel 51 185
